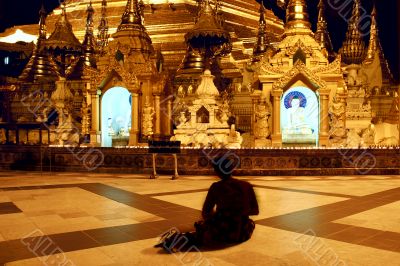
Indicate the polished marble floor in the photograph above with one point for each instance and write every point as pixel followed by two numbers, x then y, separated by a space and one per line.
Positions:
pixel 115 219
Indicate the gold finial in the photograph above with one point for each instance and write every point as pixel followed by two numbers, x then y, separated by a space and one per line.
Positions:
pixel 42 24
pixel 103 35
pixel 373 38
pixel 132 13
pixel 207 7
pixel 353 50
pixel 89 41
pixel 297 17
pixel 76 70
pixel 322 34
pixel 89 18
pixel 63 18
pixel 262 40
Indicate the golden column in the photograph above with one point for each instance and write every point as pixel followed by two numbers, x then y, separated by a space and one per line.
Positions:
pixel 95 128
pixel 134 132
pixel 398 109
pixel 157 124
pixel 276 116
pixel 324 117
pixel 169 117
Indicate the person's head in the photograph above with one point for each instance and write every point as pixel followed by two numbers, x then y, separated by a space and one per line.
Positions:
pixel 224 166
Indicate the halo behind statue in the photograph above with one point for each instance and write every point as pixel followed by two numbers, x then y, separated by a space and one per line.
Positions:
pixel 295 95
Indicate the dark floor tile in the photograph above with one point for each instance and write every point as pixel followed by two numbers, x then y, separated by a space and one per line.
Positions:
pixel 14 250
pixel 73 241
pixel 9 188
pixel 355 235
pixel 327 229
pixel 8 208
pixel 384 241
pixel 136 232
pixel 109 236
pixel 30 187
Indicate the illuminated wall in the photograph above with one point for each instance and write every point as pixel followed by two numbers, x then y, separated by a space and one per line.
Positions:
pixel 299 116
pixel 115 115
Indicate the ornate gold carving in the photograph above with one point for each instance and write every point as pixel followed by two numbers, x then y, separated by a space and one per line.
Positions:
pixel 333 67
pixel 266 67
pixel 298 68
pixel 299 45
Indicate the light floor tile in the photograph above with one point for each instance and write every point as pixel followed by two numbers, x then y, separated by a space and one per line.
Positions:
pixel 385 218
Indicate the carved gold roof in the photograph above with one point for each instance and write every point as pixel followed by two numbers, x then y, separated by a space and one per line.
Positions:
pixel 40 66
pixel 167 24
pixel 207 25
pixel 63 36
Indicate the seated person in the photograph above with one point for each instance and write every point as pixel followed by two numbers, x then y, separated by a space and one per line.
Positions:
pixel 225 213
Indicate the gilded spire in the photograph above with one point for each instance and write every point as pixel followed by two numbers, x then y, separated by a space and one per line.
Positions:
pixel 63 36
pixel 63 19
pixel 375 48
pixel 131 16
pixel 322 33
pixel 262 41
pixel 297 18
pixel 103 35
pixel 373 38
pixel 42 24
pixel 40 66
pixel 75 71
pixel 89 41
pixel 131 30
pixel 353 50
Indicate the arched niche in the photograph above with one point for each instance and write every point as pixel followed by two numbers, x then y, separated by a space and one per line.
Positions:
pixel 115 116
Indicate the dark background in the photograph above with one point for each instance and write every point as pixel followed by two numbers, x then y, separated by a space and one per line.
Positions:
pixel 16 12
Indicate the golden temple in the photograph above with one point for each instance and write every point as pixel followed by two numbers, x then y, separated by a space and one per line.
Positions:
pixel 207 73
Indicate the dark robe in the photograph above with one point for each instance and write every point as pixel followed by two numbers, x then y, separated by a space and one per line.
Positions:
pixel 226 211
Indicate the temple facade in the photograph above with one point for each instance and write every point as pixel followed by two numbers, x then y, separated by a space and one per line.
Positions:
pixel 207 73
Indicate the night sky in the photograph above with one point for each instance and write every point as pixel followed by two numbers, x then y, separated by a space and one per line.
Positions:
pixel 16 12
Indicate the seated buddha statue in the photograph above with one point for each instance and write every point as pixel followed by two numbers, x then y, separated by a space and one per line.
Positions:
pixel 297 123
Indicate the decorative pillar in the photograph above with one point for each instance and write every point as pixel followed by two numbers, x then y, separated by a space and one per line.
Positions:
pixel 134 132
pixel 324 118
pixel 255 98
pixel 253 113
pixel 95 128
pixel 398 109
pixel 276 136
pixel 169 117
pixel 157 124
